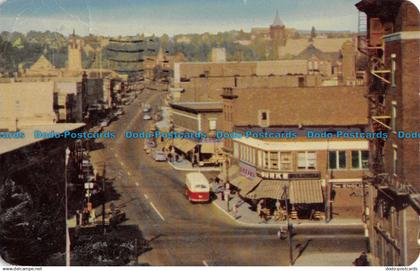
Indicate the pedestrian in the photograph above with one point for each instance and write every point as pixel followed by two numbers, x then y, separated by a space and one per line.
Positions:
pixel 235 211
pixel 278 205
pixel 78 220
pixel 259 210
pixel 362 260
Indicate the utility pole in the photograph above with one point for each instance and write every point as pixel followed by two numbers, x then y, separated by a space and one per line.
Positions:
pixel 289 226
pixel 103 199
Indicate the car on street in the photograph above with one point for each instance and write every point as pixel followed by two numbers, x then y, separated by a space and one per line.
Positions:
pixel 147 117
pixel 104 123
pixel 159 156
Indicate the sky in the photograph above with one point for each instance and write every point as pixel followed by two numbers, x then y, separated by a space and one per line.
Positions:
pixel 130 17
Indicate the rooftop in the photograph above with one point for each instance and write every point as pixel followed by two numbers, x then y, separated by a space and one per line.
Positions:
pixel 198 107
pixel 8 145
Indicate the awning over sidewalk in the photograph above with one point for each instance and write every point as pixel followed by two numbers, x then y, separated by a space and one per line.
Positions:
pixel 244 184
pixel 305 191
pixel 210 147
pixel 233 172
pixel 269 189
pixel 183 144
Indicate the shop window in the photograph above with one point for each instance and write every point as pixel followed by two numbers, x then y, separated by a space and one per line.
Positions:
pixel 336 159
pixel 359 159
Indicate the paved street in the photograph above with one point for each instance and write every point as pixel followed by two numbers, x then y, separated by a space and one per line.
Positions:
pixel 182 233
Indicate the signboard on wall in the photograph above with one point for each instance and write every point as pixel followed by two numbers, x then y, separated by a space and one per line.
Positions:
pixel 247 170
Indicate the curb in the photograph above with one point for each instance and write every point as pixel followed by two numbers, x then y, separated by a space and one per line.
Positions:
pixel 195 169
pixel 274 226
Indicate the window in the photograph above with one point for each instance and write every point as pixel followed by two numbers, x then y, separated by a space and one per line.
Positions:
pixel 286 161
pixel 260 159
pixel 393 68
pixel 263 118
pixel 263 115
pixel 274 160
pixel 265 158
pixel 394 115
pixel 395 159
pixel 212 125
pixel 359 159
pixel 306 160
pixel 336 159
pixel 235 150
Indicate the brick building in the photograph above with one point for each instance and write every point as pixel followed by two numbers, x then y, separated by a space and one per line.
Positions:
pixel 320 169
pixel 389 33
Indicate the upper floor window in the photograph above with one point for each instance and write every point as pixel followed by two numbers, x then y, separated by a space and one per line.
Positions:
pixel 212 125
pixel 394 116
pixel 336 159
pixel 306 160
pixel 286 161
pixel 359 159
pixel 263 118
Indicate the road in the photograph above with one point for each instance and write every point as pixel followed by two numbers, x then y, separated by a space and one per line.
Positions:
pixel 194 234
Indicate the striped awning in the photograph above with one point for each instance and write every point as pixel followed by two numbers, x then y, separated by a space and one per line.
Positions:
pixel 271 189
pixel 183 145
pixel 210 147
pixel 244 184
pixel 305 191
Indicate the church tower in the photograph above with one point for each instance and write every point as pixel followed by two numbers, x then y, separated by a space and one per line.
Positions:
pixel 74 54
pixel 278 36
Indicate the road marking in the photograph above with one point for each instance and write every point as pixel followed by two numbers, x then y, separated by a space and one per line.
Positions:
pixel 205 263
pixel 157 211
pixel 137 184
pixel 146 196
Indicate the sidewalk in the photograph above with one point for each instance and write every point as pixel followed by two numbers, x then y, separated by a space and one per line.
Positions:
pixel 186 165
pixel 248 217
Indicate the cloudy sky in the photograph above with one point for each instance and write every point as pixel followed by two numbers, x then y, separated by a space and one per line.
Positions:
pixel 129 17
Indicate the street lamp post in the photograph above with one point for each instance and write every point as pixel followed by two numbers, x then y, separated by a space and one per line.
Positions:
pixel 289 226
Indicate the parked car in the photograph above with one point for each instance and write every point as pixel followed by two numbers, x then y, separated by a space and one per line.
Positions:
pixel 104 123
pixel 159 156
pixel 197 187
pixel 147 117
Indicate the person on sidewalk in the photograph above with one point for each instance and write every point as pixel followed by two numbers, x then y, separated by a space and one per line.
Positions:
pixel 259 210
pixel 235 211
pixel 362 260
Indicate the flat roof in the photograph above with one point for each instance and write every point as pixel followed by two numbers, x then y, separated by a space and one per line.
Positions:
pixel 198 107
pixel 8 145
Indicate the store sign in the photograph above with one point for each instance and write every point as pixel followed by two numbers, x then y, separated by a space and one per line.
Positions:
pixel 247 170
pixel 285 176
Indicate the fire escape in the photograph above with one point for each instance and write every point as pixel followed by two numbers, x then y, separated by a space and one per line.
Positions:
pixel 370 43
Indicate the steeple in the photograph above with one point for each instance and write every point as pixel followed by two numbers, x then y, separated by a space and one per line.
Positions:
pixel 277 21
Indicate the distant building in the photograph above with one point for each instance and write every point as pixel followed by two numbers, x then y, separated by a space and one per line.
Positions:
pixel 26 104
pixel 204 117
pixel 277 35
pixel 74 54
pixel 389 35
pixel 218 55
